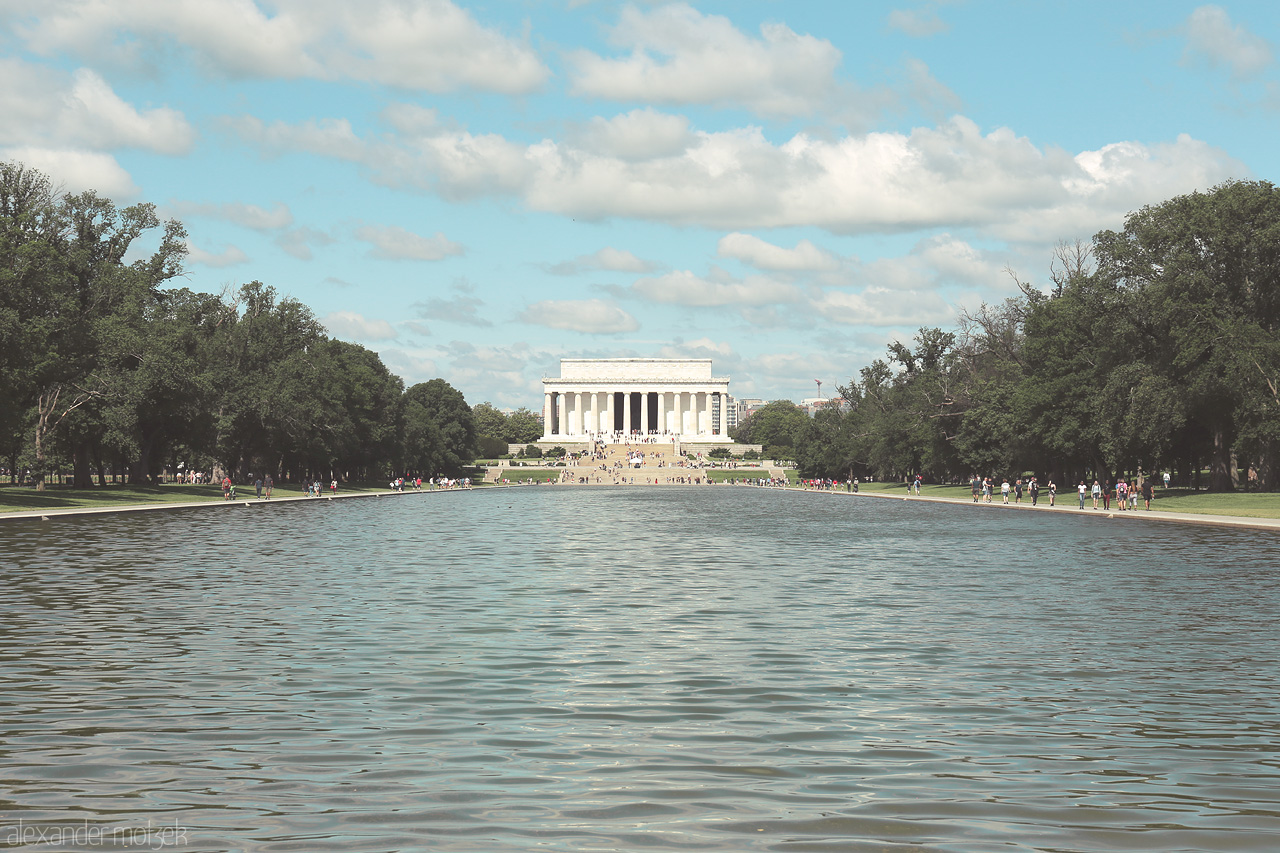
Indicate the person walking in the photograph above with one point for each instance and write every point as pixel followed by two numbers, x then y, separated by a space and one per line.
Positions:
pixel 257 488
pixel 1096 491
pixel 226 488
pixel 1004 491
pixel 1053 492
pixel 975 486
pixel 1034 488
pixel 269 483
pixel 1083 489
pixel 1147 493
pixel 1017 491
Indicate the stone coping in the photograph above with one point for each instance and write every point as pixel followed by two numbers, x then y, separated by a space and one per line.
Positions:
pixel 48 514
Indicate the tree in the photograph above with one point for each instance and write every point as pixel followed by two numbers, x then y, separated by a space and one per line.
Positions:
pixel 1206 270
pixel 776 424
pixel 439 429
pixel 523 427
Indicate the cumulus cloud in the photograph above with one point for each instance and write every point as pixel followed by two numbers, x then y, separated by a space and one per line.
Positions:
pixel 876 306
pixel 677 55
pixel 637 135
pixel 949 176
pixel 298 242
pixel 766 256
pixel 45 107
pixel 349 324
pixel 608 259
pixel 684 288
pixel 230 256
pixel 594 316
pixel 461 309
pixel 919 23
pixel 392 242
pixel 77 171
pixel 430 45
pixel 249 215
pixel 1212 38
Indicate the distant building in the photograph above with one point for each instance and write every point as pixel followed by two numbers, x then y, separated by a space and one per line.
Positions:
pixel 747 406
pixel 813 405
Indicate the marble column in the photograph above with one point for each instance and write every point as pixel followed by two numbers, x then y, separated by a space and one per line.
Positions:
pixel 644 412
pixel 626 413
pixel 546 414
pixel 561 405
pixel 594 425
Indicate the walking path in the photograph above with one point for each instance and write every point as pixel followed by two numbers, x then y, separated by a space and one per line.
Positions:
pixel 48 514
pixel 1070 508
pixel 1063 507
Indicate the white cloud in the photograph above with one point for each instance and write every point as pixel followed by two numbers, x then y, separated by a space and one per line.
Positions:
pixel 685 288
pixel 230 256
pixel 249 215
pixel 637 135
pixel 77 171
pixel 876 306
pixel 949 176
pixel 608 259
pixel 45 107
pixel 766 256
pixel 1212 37
pixel 595 316
pixel 392 242
pixel 461 309
pixel 919 23
pixel 431 45
pixel 349 324
pixel 297 242
pixel 678 55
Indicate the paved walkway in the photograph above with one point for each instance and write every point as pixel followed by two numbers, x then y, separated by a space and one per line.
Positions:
pixel 1070 507
pixel 49 514
pixel 1063 507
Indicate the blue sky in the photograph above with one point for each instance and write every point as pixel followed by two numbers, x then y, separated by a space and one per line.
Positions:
pixel 476 190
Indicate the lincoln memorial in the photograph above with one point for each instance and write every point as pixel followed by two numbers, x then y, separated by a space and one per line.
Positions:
pixel 609 399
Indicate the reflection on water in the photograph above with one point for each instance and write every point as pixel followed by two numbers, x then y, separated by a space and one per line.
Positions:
pixel 664 669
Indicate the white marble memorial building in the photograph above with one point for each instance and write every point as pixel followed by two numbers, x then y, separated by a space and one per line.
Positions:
pixel 616 398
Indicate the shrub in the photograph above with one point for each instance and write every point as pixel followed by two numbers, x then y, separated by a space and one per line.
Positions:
pixel 751 454
pixel 720 453
pixel 557 452
pixel 532 451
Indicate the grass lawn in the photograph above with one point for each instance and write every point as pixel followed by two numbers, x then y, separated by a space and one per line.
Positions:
pixel 24 498
pixel 719 475
pixel 518 475
pixel 1245 504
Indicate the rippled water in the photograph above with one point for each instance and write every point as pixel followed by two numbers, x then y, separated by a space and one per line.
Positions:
pixel 663 669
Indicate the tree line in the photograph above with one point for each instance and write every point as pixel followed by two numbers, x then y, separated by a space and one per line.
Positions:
pixel 1155 348
pixel 105 369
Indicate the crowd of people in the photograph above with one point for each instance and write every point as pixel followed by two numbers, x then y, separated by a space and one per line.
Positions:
pixel 1124 493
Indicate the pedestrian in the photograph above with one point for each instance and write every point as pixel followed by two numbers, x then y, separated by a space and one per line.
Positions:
pixel 975 486
pixel 1004 491
pixel 1034 488
pixel 1083 489
pixel 1106 497
pixel 269 484
pixel 1148 492
pixel 1053 492
pixel 257 488
pixel 1096 492
pixel 1017 491
pixel 226 488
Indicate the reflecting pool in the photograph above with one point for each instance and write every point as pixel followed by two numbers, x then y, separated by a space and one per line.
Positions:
pixel 579 669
